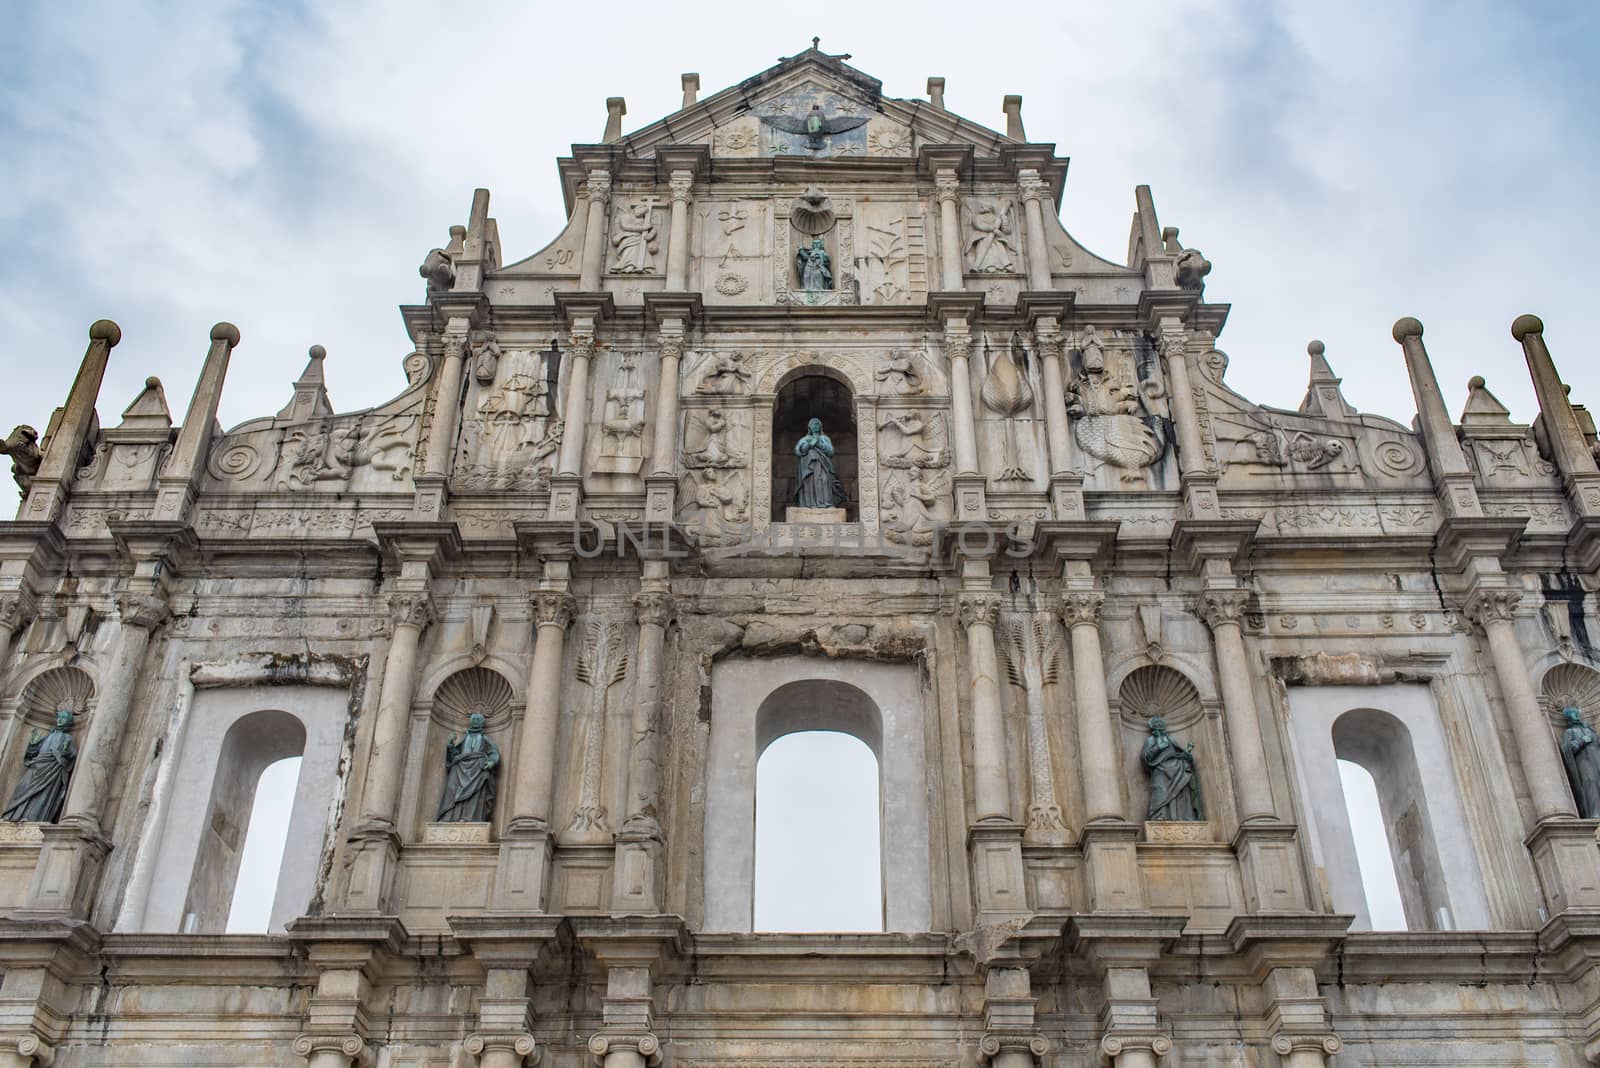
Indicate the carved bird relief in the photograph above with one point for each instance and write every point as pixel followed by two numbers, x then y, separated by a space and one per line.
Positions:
pixel 815 125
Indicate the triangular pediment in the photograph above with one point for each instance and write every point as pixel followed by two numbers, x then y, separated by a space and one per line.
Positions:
pixel 765 114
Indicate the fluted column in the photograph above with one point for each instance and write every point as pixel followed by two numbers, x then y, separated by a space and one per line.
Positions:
pixel 945 191
pixel 411 612
pixel 991 788
pixel 533 787
pixel 678 232
pixel 1223 612
pixel 575 413
pixel 1047 336
pixel 1494 610
pixel 592 265
pixel 1033 195
pixel 664 449
pixel 958 347
pixel 1097 744
pixel 140 613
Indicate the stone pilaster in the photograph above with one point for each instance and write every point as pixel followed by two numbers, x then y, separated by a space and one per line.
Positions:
pixel 1283 953
pixel 37 995
pixel 348 955
pixel 508 949
pixel 1121 950
pixel 1066 484
pixel 1011 1038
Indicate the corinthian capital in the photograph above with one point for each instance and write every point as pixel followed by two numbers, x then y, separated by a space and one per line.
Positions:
pixel 144 610
pixel 1218 607
pixel 946 187
pixel 1493 605
pixel 411 610
pixel 682 187
pixel 553 608
pixel 1082 607
pixel 598 187
pixel 979 608
pixel 1031 185
pixel 670 346
pixel 15 609
pixel 957 343
pixel 653 607
pixel 1172 342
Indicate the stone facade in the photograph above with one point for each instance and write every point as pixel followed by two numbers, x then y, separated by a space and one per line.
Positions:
pixel 1061 522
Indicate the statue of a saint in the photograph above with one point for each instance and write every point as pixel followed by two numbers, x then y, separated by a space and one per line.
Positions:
pixel 815 483
pixel 469 776
pixel 816 272
pixel 47 767
pixel 1174 790
pixel 1581 755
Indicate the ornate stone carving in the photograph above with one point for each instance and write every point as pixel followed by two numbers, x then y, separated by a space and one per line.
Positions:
pixel 411 610
pixel 475 689
pixel 912 511
pixel 1082 607
pixel 602 663
pixel 1221 607
pixel 653 608
pixel 635 241
pixel 517 1047
pixel 1493 605
pixel 1007 393
pixel 914 440
pixel 145 610
pixel 992 248
pixel 979 609
pixel 813 212
pixel 725 373
pixel 552 608
pixel 1284 1044
pixel 887 276
pixel 946 189
pixel 713 441
pixel 1111 420
pixel 622 421
pixel 682 185
pixel 22 445
pixel 351 1046
pixel 901 372
pixel 1192 269
pixel 1033 661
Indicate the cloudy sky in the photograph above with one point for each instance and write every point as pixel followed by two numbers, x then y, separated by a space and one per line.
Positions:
pixel 286 166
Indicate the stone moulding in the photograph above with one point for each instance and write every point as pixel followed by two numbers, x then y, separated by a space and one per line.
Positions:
pixel 277 669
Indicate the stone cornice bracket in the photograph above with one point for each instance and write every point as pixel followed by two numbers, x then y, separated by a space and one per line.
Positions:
pixel 352 1047
pixel 31 1049
pixel 516 1048
pixel 979 609
pixel 646 1045
pixel 552 608
pixel 994 1043
pixel 1211 547
pixel 417 549
pixel 1220 607
pixel 1115 1045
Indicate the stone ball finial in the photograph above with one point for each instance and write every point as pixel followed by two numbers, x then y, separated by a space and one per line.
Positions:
pixel 152 382
pixel 1523 325
pixel 225 332
pixel 105 330
pixel 1407 327
pixel 1316 348
pixel 1476 382
pixel 316 352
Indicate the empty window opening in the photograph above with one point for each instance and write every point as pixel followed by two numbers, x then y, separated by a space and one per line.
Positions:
pixel 262 857
pixel 1381 745
pixel 818 838
pixel 810 397
pixel 252 745
pixel 1378 880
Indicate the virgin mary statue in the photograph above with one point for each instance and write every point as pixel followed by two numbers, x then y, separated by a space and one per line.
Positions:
pixel 815 484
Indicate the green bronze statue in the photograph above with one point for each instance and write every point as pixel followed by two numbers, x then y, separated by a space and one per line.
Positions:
pixel 816 271
pixel 469 764
pixel 816 485
pixel 1582 757
pixel 1174 790
pixel 47 768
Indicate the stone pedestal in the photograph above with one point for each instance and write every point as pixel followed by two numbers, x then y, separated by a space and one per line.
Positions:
pixel 1567 862
pixel 68 871
pixel 1110 851
pixel 814 515
pixel 522 880
pixel 996 850
pixel 636 882
pixel 1269 864
pixel 374 856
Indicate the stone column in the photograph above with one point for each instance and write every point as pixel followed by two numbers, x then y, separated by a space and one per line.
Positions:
pixel 1223 612
pixel 59 463
pixel 661 484
pixel 1047 336
pixel 1566 440
pixel 678 232
pixel 575 412
pixel 592 266
pixel 1097 743
pixel 991 789
pixel 411 613
pixel 1453 479
pixel 1493 610
pixel 25 1052
pixel 945 191
pixel 958 347
pixel 434 469
pixel 636 880
pixel 1033 196
pixel 180 475
pixel 1306 1051
pixel 334 1051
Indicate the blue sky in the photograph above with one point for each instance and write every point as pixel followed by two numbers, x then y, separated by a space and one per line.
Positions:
pixel 285 167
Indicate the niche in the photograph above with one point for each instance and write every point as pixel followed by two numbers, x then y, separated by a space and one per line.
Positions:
pixel 801 399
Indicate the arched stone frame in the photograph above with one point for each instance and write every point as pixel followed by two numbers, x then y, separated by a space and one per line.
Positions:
pixel 1203 727
pixel 739 688
pixel 425 759
pixel 759 404
pixel 1314 714
pixel 844 265
pixel 211 696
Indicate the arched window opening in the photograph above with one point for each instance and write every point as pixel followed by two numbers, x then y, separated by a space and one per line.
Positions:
pixel 1381 745
pixel 261 859
pixel 254 743
pixel 818 837
pixel 799 401
pixel 1378 881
